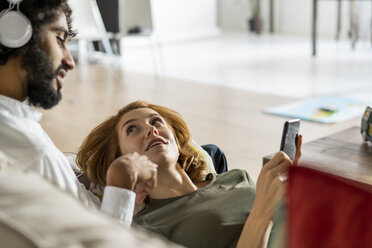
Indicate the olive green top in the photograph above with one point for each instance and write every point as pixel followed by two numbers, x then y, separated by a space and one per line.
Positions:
pixel 212 216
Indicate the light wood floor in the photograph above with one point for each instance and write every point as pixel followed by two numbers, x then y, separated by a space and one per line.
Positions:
pixel 233 119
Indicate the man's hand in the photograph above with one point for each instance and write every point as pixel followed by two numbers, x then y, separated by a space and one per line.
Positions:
pixel 133 172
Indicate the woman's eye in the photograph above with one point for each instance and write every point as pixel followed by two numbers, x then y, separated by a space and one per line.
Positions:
pixel 157 121
pixel 130 129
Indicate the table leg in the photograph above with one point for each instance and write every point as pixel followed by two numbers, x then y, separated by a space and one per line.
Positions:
pixel 315 2
pixel 338 20
pixel 258 17
pixel 271 16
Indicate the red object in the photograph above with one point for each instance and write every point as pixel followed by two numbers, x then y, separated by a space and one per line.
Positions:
pixel 327 211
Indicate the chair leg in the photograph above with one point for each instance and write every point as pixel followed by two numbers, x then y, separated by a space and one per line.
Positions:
pixel 82 57
pixel 115 45
pixel 339 8
pixel 157 56
pixel 352 30
pixel 351 19
pixel 314 31
pixel 356 25
pixel 257 17
pixel 271 6
pixel 82 51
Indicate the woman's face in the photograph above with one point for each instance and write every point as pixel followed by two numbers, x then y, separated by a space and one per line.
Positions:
pixel 144 131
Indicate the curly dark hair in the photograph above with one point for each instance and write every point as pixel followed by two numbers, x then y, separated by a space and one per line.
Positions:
pixel 39 12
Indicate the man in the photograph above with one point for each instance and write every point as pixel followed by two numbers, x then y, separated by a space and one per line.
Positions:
pixel 32 74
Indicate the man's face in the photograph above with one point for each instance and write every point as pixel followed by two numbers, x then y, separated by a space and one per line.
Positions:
pixel 46 65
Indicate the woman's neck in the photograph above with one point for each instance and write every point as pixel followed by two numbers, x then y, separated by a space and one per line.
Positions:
pixel 172 182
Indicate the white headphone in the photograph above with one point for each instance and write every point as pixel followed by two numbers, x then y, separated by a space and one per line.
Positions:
pixel 15 28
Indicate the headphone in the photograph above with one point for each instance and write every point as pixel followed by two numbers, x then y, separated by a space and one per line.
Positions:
pixel 15 27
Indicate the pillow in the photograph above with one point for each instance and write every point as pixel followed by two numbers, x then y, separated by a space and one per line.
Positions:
pixel 34 213
pixel 205 155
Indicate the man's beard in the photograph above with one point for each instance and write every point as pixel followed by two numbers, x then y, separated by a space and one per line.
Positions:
pixel 39 80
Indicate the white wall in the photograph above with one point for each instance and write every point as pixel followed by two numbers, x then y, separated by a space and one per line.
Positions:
pixel 233 14
pixel 184 19
pixel 134 13
pixel 293 17
pixel 172 19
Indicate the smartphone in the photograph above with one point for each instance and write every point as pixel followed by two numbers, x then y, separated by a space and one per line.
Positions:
pixel 289 137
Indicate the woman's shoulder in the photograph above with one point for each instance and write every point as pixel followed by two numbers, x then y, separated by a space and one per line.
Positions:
pixel 234 176
pixel 234 172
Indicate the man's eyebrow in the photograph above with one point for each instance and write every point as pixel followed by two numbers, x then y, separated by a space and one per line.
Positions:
pixel 61 29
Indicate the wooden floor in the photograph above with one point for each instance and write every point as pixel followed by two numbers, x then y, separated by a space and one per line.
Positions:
pixel 233 119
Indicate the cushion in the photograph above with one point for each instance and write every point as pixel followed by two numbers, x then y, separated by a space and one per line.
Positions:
pixel 218 157
pixel 205 155
pixel 34 213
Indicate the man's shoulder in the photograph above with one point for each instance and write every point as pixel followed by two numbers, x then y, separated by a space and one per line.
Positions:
pixel 25 144
pixel 21 131
pixel 21 138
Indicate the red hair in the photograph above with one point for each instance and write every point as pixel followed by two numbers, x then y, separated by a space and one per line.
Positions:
pixel 101 147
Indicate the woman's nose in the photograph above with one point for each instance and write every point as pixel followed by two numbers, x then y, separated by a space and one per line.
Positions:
pixel 152 130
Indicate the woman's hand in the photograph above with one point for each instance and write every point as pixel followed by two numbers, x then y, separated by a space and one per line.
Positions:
pixel 269 191
pixel 271 182
pixel 270 187
pixel 298 150
pixel 133 172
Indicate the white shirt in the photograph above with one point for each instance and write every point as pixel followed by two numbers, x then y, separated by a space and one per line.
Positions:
pixel 24 140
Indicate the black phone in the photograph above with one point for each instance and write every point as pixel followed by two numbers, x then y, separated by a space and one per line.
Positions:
pixel 289 137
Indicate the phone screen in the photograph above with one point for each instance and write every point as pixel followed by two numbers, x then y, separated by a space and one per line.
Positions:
pixel 289 137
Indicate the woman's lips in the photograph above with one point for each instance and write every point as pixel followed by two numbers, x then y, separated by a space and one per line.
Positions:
pixel 155 142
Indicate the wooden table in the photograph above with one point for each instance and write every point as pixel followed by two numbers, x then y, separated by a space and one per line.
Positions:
pixel 343 154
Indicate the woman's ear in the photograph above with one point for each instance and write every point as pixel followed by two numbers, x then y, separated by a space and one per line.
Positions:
pixel 118 152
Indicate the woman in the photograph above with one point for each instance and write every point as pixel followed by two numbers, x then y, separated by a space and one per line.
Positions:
pixel 188 207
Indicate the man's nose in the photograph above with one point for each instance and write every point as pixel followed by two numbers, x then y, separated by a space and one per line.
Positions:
pixel 68 60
